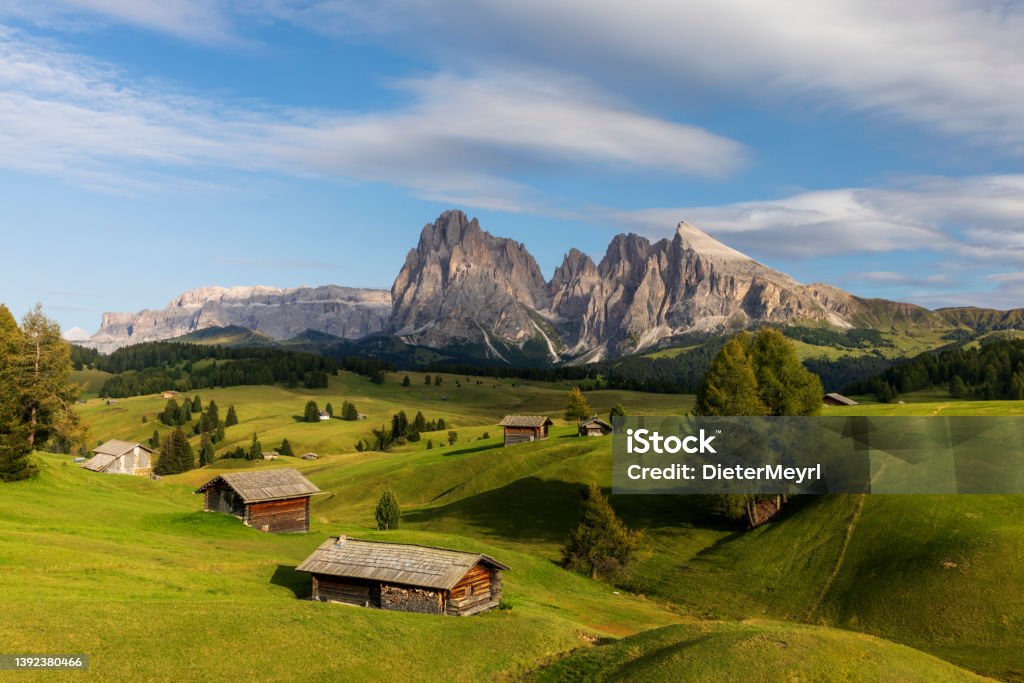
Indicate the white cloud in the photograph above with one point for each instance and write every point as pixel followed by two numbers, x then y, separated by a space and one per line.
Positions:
pixel 457 137
pixel 975 219
pixel 953 66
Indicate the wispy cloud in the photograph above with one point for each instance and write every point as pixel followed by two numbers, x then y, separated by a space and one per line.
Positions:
pixel 976 219
pixel 458 137
pixel 951 66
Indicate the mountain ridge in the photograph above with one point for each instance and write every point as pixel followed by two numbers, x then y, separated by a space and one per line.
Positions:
pixel 464 288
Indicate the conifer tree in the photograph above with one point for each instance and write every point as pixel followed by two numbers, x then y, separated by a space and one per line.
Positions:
pixel 419 422
pixel 730 385
pixel 154 441
pixel 197 404
pixel 169 416
pixel 47 393
pixel 219 434
pixel 255 449
pixel 349 411
pixel 176 455
pixel 329 409
pixel 426 379
pixel 388 513
pixel 578 408
pixel 601 544
pixel 232 417
pixel 14 443
pixel 405 381
pixel 213 414
pixel 286 448
pixel 206 451
pixel 312 412
pixel 617 411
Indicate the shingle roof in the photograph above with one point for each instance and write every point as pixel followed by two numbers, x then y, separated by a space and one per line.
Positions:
pixel 595 420
pixel 263 485
pixel 410 565
pixel 99 462
pixel 118 447
pixel 839 398
pixel 525 421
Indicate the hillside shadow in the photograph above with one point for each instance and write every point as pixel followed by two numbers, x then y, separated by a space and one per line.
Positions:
pixel 529 510
pixel 473 449
pixel 544 511
pixel 297 582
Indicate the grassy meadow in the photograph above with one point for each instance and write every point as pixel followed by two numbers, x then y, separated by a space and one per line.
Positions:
pixel 130 571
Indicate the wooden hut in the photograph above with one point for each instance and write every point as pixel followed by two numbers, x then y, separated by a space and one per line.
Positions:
pixel 834 399
pixel 120 457
pixel 595 426
pixel 520 428
pixel 269 500
pixel 402 577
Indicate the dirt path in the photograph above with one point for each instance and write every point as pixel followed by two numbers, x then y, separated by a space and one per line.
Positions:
pixel 850 526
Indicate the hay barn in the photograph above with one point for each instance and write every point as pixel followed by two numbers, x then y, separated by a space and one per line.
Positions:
pixel 269 500
pixel 120 457
pixel 522 428
pixel 402 577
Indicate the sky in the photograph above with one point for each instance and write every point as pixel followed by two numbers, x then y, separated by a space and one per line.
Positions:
pixel 148 148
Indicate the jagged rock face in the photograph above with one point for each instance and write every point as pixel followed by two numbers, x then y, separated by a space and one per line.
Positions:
pixel 461 284
pixel 276 313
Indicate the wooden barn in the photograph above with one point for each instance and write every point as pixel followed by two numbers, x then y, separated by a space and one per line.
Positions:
pixel 520 428
pixel 402 577
pixel 595 426
pixel 269 500
pixel 120 457
pixel 838 400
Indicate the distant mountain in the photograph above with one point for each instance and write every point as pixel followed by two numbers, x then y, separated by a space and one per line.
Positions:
pixel 75 334
pixel 275 313
pixel 463 286
pixel 464 294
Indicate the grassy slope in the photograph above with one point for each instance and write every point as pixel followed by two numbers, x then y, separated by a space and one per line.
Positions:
pixel 757 651
pixel 128 571
pixel 894 579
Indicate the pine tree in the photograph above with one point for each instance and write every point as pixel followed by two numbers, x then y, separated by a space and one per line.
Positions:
pixel 617 411
pixel 312 412
pixel 349 411
pixel 219 435
pixel 169 416
pixel 426 379
pixel 419 422
pixel 206 451
pixel 405 381
pixel 601 544
pixel 184 411
pixel 197 404
pixel 430 444
pixel 255 449
pixel 438 380
pixel 329 409
pixel 154 441
pixel 388 513
pixel 730 385
pixel 957 388
pixel 176 455
pixel 213 414
pixel 578 408
pixel 399 425
pixel 286 448
pixel 453 436
pixel 14 443
pixel 232 417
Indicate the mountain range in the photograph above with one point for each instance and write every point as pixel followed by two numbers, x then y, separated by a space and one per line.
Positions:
pixel 469 293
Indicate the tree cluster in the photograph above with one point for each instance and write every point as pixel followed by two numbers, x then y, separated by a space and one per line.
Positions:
pixel 175 455
pixel 37 397
pixel 400 430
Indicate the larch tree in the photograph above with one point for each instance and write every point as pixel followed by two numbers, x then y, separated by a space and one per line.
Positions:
pixel 47 391
pixel 577 408
pixel 730 385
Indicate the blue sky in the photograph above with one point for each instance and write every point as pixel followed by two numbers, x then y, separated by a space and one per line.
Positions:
pixel 150 148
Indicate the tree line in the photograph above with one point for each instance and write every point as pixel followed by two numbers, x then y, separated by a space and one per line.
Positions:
pixel 992 370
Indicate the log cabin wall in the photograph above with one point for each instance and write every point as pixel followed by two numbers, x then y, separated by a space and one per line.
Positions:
pixel 359 592
pixel 477 591
pixel 291 514
pixel 521 434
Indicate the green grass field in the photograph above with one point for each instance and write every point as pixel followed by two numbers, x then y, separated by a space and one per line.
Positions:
pixel 841 587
